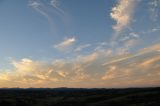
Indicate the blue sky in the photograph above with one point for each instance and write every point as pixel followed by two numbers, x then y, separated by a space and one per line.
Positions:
pixel 91 39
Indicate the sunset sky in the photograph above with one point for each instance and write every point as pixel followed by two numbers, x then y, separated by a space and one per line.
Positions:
pixel 79 43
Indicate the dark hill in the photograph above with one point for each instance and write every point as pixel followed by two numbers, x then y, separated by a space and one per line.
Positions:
pixel 80 97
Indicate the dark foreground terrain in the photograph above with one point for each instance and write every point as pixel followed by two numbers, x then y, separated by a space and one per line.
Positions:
pixel 80 97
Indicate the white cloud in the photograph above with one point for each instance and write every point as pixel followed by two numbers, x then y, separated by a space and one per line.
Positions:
pixel 66 44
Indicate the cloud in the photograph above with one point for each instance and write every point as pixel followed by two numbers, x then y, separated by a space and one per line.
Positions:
pixel 126 46
pixel 38 5
pixel 66 44
pixel 62 73
pixel 37 73
pixel 122 14
pixel 135 69
pixel 47 8
pixel 115 72
pixel 110 73
pixel 154 9
pixel 119 59
pixel 124 57
pixel 81 47
pixel 91 70
pixel 134 34
pixel 88 58
pixel 34 3
pixel 151 30
pixel 155 29
pixel 54 4
pixel 150 62
pixel 100 46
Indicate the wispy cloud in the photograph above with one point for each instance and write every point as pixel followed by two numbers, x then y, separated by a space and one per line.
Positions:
pixel 46 8
pixel 42 5
pixel 54 4
pixel 38 5
pixel 66 44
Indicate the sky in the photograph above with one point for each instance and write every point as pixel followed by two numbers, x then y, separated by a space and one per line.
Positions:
pixel 79 43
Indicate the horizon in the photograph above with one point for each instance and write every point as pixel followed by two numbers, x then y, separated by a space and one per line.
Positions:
pixel 147 87
pixel 79 43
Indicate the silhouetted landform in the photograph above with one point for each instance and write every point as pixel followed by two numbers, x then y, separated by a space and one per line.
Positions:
pixel 80 97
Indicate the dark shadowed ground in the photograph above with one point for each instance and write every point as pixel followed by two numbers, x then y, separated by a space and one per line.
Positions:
pixel 80 97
